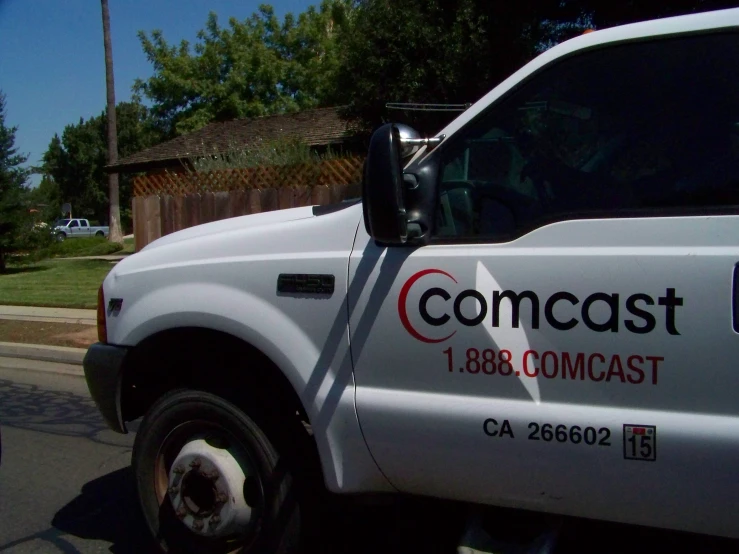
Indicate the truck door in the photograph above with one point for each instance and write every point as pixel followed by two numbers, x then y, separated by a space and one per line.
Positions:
pixel 74 228
pixel 567 342
pixel 84 229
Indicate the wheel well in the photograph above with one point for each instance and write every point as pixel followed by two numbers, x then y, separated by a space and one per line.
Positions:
pixel 224 365
pixel 212 361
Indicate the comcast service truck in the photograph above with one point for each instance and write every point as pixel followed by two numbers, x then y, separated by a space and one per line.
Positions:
pixel 537 308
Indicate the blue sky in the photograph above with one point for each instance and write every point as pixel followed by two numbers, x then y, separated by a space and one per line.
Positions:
pixel 52 66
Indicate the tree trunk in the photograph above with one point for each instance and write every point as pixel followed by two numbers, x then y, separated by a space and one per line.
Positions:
pixel 2 260
pixel 115 209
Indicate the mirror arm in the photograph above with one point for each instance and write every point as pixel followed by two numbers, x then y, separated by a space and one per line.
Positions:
pixel 430 142
pixel 410 180
pixel 414 231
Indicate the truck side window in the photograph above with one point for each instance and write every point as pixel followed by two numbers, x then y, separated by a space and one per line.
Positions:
pixel 73 223
pixel 83 223
pixel 624 131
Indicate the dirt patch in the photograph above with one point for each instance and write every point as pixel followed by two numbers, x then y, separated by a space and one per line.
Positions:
pixel 53 334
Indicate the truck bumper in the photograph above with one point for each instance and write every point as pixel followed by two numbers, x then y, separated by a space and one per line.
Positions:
pixel 102 365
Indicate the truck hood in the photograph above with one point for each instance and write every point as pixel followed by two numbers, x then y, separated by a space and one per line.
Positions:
pixel 225 225
pixel 282 234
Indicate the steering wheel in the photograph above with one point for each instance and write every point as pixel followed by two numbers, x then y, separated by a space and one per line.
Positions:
pixel 541 171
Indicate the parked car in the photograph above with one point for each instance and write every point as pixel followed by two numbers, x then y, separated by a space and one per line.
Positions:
pixel 74 228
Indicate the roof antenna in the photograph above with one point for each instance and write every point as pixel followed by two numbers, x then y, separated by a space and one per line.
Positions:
pixel 421 107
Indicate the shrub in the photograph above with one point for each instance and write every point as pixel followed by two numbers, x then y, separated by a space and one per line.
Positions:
pixel 279 152
pixel 92 246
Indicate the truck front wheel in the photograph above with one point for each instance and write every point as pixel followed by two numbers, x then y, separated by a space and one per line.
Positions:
pixel 208 479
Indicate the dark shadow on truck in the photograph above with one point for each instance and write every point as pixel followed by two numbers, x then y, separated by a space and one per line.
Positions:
pixel 392 261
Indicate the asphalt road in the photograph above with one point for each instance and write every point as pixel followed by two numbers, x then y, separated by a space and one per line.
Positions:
pixel 66 486
pixel 65 481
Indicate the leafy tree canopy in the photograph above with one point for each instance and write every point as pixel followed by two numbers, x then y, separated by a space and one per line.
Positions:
pixel 75 161
pixel 454 51
pixel 250 68
pixel 45 199
pixel 12 175
pixel 13 215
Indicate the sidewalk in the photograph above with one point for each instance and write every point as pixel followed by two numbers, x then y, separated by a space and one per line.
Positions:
pixel 50 315
pixel 39 357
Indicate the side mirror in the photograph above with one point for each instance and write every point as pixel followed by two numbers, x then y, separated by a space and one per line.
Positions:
pixel 390 200
pixel 383 197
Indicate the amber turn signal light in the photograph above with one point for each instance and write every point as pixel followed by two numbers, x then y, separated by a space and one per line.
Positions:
pixel 102 331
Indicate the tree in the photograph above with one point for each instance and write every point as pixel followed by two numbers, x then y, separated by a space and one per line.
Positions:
pixel 75 160
pixel 455 51
pixel 115 212
pixel 251 68
pixel 45 198
pixel 12 180
pixel 612 13
pixel 442 51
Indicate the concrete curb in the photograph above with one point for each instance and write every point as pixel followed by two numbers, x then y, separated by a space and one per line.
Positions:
pixel 43 353
pixel 55 368
pixel 49 319
pixel 50 315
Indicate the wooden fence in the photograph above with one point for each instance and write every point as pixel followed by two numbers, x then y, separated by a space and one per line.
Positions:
pixel 170 201
pixel 157 215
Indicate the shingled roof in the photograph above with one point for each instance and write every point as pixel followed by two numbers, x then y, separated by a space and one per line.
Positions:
pixel 318 127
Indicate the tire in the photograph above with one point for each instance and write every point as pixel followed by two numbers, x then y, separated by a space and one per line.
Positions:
pixel 99 234
pixel 186 421
pixel 61 237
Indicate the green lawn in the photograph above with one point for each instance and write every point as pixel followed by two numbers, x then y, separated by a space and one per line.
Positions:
pixel 54 283
pixel 128 246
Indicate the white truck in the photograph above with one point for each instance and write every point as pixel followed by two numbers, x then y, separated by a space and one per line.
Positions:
pixel 76 228
pixel 538 308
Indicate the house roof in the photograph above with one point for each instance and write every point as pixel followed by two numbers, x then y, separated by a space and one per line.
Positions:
pixel 317 127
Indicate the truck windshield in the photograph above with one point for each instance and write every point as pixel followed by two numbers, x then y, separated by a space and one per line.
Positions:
pixel 61 223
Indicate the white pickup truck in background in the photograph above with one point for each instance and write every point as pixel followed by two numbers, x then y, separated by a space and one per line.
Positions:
pixel 538 309
pixel 75 228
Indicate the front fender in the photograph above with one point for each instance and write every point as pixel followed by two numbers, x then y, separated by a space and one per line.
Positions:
pixel 219 308
pixel 324 383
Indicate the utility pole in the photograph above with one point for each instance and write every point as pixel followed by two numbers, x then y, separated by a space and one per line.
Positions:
pixel 115 209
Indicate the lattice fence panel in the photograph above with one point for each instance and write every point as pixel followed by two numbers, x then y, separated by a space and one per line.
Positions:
pixel 339 171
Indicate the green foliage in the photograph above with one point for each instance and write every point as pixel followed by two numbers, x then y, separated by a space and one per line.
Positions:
pixel 72 248
pixel 613 12
pixel 14 217
pixel 45 198
pixel 455 51
pixel 451 51
pixel 75 161
pixel 251 68
pixel 129 246
pixel 34 237
pixel 280 152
